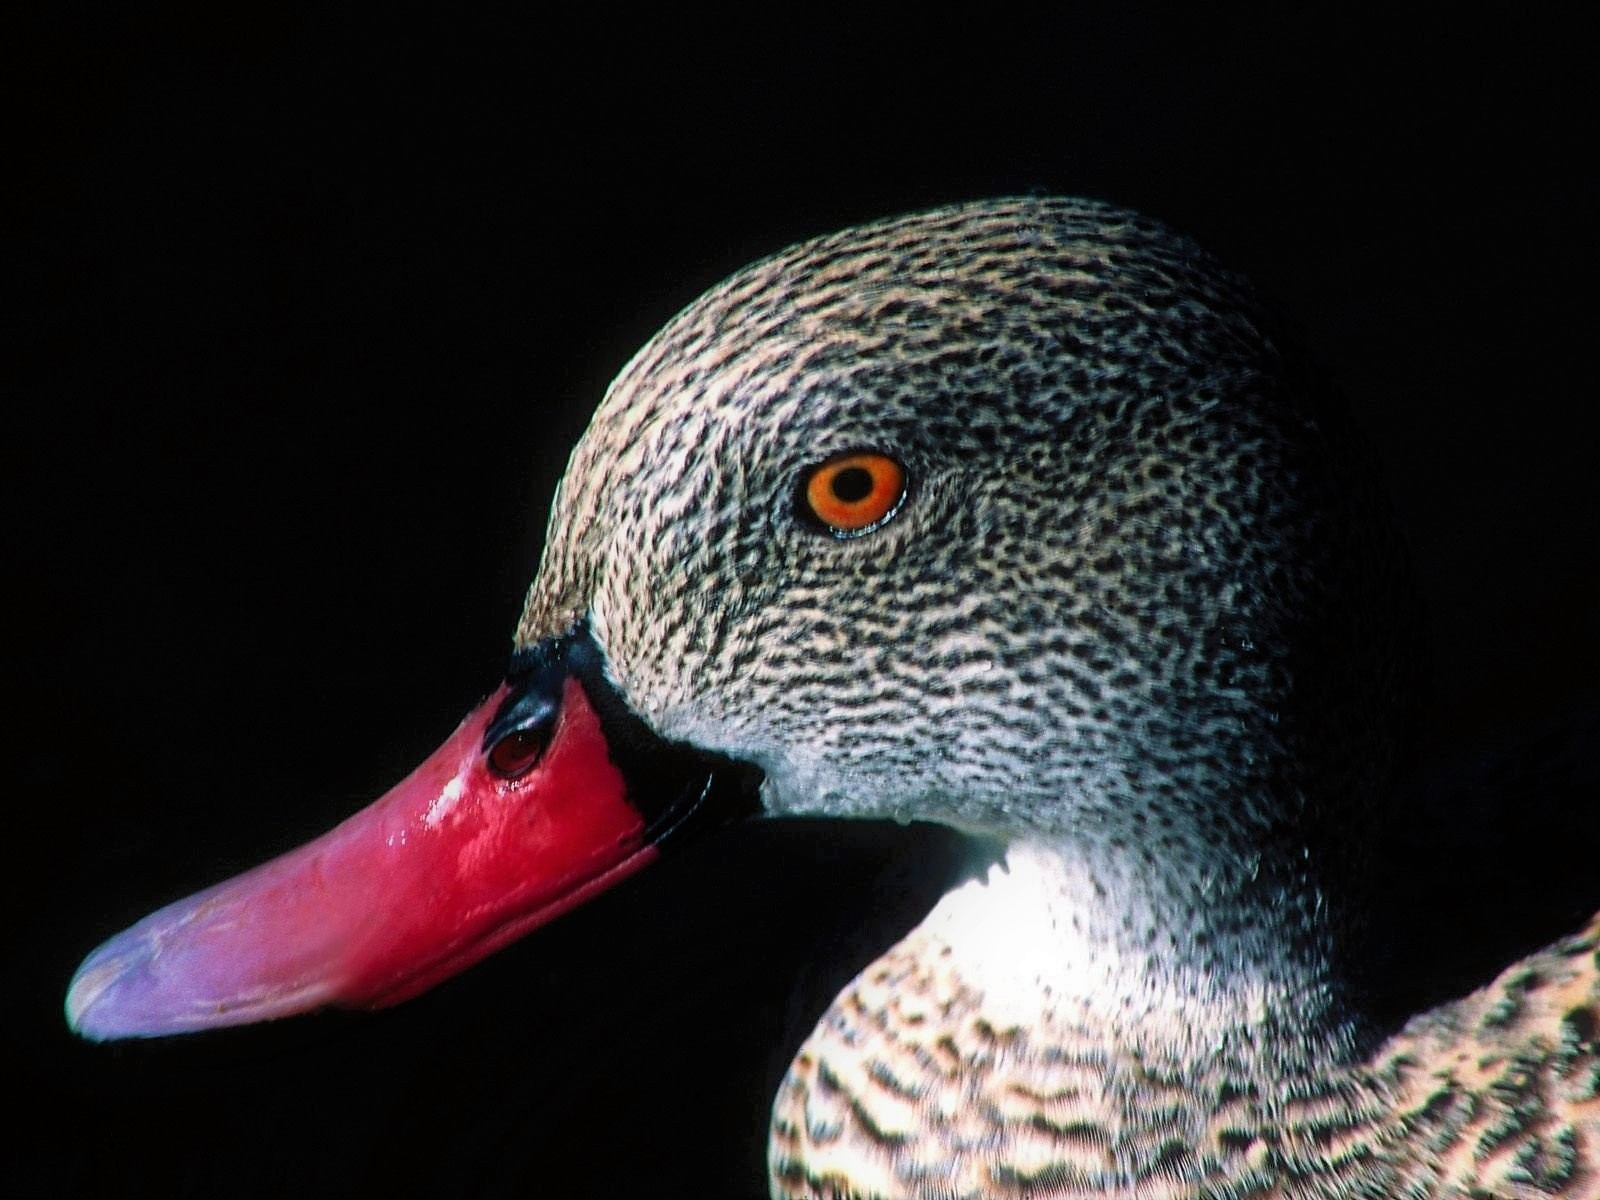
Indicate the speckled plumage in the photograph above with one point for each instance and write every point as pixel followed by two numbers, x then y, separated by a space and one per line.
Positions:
pixel 1139 628
pixel 909 1089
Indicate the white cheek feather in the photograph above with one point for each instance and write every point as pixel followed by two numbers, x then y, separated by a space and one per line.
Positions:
pixel 1012 935
pixel 1038 935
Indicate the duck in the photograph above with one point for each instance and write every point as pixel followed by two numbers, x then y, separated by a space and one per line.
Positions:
pixel 1028 518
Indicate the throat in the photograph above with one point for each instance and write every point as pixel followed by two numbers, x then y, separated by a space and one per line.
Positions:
pixel 1168 965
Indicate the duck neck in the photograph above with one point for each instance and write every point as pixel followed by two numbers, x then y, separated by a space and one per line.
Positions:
pixel 1190 956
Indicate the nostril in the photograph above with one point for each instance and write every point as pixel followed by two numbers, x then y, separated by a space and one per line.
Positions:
pixel 522 727
pixel 519 751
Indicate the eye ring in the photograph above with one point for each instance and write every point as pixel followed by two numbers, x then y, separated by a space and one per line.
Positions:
pixel 853 494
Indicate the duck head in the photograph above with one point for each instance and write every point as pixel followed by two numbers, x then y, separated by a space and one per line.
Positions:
pixel 1019 516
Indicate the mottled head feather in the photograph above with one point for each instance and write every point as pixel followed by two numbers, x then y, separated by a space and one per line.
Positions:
pixel 1136 537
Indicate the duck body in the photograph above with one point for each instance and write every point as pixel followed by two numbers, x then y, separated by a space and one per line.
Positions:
pixel 916 1084
pixel 1022 517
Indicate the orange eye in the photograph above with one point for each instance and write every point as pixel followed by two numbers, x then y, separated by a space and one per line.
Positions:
pixel 855 493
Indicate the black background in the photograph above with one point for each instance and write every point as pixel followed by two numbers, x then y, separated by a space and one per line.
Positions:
pixel 308 311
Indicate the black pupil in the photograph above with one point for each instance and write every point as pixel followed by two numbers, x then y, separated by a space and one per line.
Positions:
pixel 852 485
